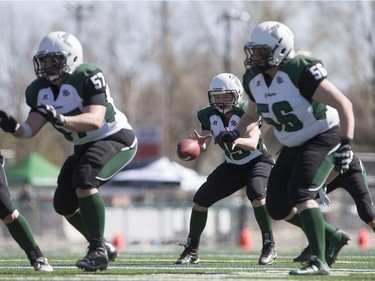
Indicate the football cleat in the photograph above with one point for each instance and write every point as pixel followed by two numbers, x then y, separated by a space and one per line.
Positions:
pixel 41 264
pixel 111 251
pixel 268 253
pixel 304 256
pixel 314 267
pixel 188 256
pixel 96 258
pixel 334 244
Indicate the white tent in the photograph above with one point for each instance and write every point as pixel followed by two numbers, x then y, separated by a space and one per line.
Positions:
pixel 161 172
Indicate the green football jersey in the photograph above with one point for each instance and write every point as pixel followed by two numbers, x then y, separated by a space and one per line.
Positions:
pixel 85 82
pixel 211 120
pixel 286 102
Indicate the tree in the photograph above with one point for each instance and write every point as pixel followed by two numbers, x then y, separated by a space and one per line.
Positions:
pixel 159 58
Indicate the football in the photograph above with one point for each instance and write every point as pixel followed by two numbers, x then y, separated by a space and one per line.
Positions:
pixel 188 149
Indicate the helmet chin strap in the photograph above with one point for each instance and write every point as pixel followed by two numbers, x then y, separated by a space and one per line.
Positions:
pixel 225 110
pixel 57 77
pixel 53 77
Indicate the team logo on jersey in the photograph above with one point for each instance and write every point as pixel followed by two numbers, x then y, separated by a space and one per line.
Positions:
pixel 45 97
pixel 214 123
pixel 258 83
pixel 65 93
pixel 279 80
pixel 233 123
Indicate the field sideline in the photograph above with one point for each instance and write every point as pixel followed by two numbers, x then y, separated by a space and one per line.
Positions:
pixel 215 265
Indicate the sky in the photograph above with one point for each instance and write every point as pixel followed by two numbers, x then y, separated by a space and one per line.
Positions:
pixel 137 24
pixel 133 25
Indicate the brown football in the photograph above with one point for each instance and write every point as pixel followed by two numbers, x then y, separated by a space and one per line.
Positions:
pixel 188 149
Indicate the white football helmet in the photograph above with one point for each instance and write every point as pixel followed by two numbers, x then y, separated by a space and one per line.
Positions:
pixel 66 51
pixel 225 83
pixel 274 43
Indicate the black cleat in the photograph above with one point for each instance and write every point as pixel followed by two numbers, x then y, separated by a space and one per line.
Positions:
pixel 96 258
pixel 188 256
pixel 268 253
pixel 334 244
pixel 111 251
pixel 304 256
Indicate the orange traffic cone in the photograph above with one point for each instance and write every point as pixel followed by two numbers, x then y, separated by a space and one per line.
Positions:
pixel 363 238
pixel 246 242
pixel 119 241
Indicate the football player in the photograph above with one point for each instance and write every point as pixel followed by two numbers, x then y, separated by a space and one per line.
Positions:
pixel 247 164
pixel 74 97
pixel 18 226
pixel 355 183
pixel 314 122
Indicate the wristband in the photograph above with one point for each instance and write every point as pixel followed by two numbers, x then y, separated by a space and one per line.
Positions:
pixel 346 140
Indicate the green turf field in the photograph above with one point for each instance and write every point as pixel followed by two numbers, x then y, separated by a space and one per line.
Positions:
pixel 214 265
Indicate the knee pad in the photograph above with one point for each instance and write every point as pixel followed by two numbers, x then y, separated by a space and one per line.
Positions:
pixel 256 189
pixel 65 202
pixel 277 211
pixel 6 205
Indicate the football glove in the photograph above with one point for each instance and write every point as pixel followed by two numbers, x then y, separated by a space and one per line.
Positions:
pixel 227 136
pixel 325 201
pixel 51 115
pixel 7 122
pixel 343 156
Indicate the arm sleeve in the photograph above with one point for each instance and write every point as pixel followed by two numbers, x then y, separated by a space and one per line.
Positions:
pixel 246 78
pixel 204 119
pixel 28 100
pixel 248 92
pixel 310 78
pixel 95 89
pixel 203 127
